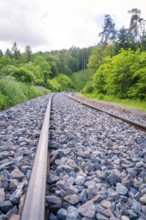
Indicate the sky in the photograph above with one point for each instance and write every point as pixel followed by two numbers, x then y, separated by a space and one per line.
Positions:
pixel 47 25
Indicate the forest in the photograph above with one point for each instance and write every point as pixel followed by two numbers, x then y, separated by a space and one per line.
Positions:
pixel 116 66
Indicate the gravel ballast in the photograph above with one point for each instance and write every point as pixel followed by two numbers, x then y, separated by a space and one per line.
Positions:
pixel 98 165
pixel 125 112
pixel 20 128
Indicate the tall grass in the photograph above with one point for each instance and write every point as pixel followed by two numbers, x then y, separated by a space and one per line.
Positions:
pixel 131 103
pixel 13 92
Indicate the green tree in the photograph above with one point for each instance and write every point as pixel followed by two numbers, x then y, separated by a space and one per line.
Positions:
pixel 8 70
pixel 123 40
pixel 45 67
pixel 1 53
pixel 135 28
pixel 108 35
pixel 5 60
pixel 8 53
pixel 98 54
pixel 24 76
pixel 15 51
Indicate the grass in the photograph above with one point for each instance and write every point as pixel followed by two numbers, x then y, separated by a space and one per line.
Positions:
pixel 13 92
pixel 130 103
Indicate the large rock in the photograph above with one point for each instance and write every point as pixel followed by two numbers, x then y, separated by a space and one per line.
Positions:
pixel 72 199
pixel 54 200
pixel 87 209
pixel 17 174
pixel 5 206
pixel 121 189
pixel 72 213
pixel 15 197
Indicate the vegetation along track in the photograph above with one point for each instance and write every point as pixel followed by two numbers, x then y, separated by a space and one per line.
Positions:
pixel 97 170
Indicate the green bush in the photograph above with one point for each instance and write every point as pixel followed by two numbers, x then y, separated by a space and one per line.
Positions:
pixel 13 91
pixel 65 81
pixel 54 86
pixel 3 101
pixel 81 78
pixel 24 75
pixel 8 70
pixel 43 90
pixel 88 88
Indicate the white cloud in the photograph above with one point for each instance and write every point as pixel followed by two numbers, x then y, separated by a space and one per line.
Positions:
pixel 58 24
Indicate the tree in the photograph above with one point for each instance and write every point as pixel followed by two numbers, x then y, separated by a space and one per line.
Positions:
pixel 1 53
pixel 15 51
pixel 45 67
pixel 8 70
pixel 98 54
pixel 8 53
pixel 135 28
pixel 28 53
pixel 108 35
pixel 123 40
pixel 24 76
pixel 5 60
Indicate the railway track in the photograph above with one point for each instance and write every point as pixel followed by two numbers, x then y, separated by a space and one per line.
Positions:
pixel 96 167
pixel 133 123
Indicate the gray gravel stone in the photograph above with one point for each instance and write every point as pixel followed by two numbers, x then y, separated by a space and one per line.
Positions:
pixel 121 189
pixel 62 213
pixel 87 209
pixel 52 178
pixel 72 199
pixel 2 194
pixel 5 206
pixel 54 200
pixel 107 152
pixel 72 213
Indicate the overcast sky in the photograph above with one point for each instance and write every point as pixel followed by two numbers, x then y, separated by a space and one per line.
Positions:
pixel 57 24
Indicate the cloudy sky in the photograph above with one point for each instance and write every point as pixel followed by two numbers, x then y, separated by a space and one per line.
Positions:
pixel 56 24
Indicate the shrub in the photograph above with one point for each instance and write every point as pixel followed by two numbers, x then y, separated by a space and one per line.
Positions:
pixel 24 75
pixel 88 88
pixel 81 78
pixel 54 86
pixel 3 101
pixel 65 81
pixel 12 90
pixel 8 70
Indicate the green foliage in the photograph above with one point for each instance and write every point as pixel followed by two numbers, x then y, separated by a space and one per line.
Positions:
pixel 6 60
pixel 81 78
pixel 88 88
pixel 8 70
pixel 24 75
pixel 131 103
pixel 123 75
pixel 3 101
pixel 108 34
pixel 54 86
pixel 36 70
pixel 65 81
pixel 98 55
pixel 30 91
pixel 12 91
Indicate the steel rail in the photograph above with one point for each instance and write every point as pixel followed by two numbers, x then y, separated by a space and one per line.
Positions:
pixel 135 124
pixel 34 206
